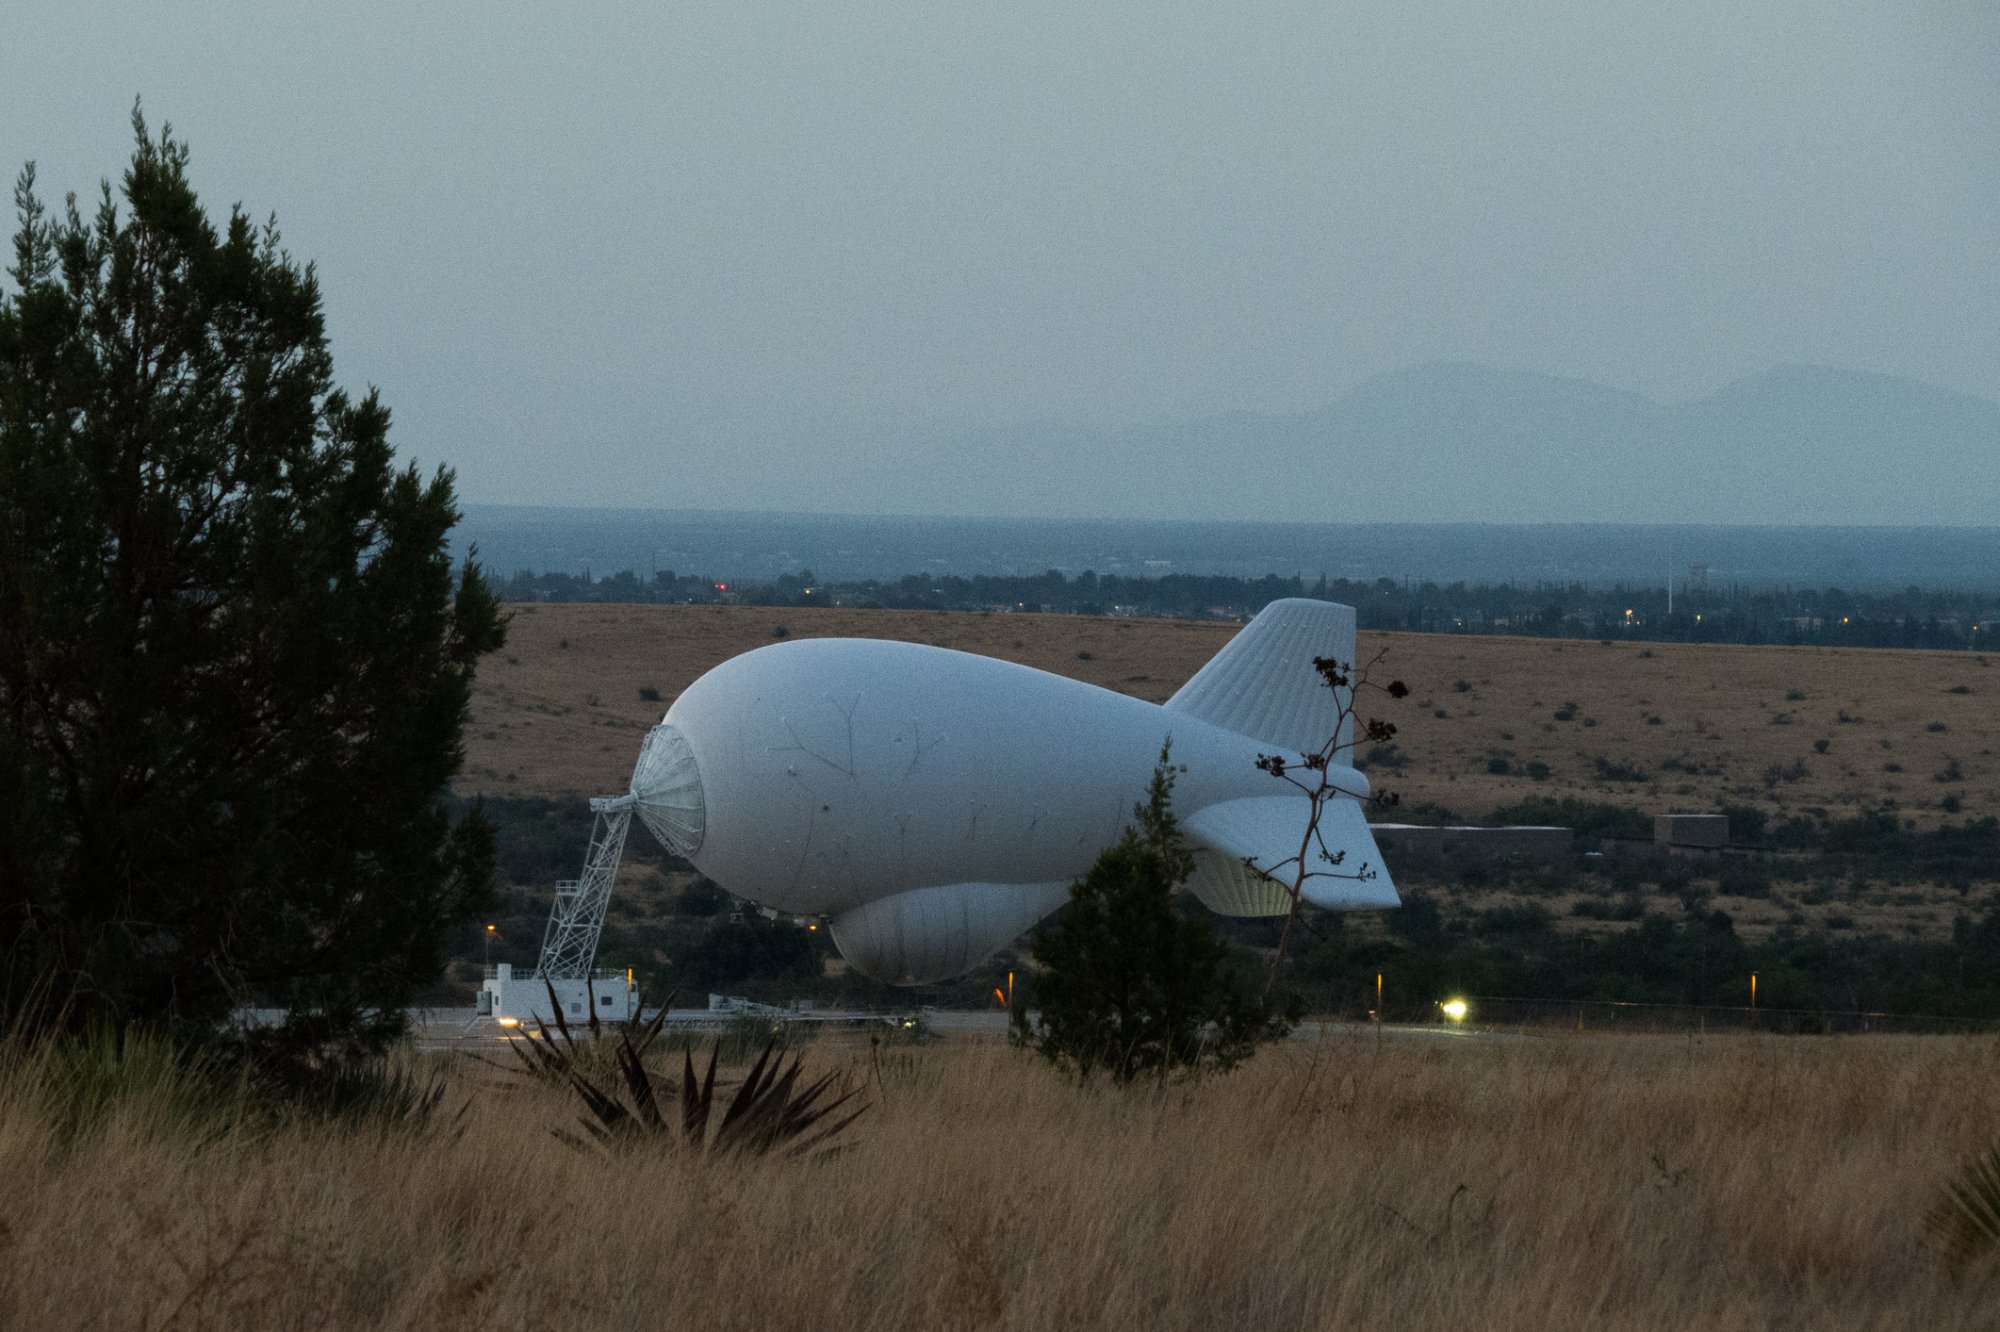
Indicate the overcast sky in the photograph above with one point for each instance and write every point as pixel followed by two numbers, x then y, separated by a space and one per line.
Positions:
pixel 586 249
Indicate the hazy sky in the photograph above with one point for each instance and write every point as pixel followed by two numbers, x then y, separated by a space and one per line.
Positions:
pixel 598 253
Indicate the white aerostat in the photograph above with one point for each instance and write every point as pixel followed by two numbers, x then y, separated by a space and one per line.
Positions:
pixel 932 804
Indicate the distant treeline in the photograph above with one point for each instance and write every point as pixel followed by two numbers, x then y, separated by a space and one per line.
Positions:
pixel 1831 616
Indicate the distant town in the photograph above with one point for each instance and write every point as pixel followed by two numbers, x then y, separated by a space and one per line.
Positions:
pixel 1696 610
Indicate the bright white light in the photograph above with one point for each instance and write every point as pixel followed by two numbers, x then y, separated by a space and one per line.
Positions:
pixel 510 1022
pixel 1454 1009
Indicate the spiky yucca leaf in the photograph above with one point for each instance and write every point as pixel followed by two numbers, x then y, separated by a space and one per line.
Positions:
pixel 769 1109
pixel 1966 1220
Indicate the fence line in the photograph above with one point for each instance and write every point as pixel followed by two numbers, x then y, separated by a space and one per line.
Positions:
pixel 1619 1015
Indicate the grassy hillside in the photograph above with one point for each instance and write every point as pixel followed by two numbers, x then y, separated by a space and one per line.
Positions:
pixel 1414 1182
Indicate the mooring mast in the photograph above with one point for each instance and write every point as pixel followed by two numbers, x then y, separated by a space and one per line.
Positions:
pixel 569 944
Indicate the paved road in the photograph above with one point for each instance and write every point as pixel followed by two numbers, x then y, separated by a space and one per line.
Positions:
pixel 466 1029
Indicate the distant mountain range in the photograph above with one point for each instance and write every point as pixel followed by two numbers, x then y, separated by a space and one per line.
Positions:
pixel 1468 443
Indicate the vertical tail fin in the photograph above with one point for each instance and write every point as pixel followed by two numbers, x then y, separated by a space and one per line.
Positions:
pixel 1262 684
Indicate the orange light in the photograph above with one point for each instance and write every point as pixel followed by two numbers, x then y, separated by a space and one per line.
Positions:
pixel 1001 997
pixel 492 928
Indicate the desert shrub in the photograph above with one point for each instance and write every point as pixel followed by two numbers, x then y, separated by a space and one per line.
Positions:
pixel 703 897
pixel 1587 818
pixel 1794 834
pixel 1513 920
pixel 733 951
pixel 1498 766
pixel 1747 825
pixel 1785 772
pixel 1388 758
pixel 648 694
pixel 1744 878
pixel 1128 984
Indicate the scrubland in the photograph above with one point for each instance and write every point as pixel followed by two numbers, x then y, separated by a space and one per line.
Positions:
pixel 1367 1179
pixel 1652 726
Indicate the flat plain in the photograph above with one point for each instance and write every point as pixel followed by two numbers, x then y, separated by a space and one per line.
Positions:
pixel 559 712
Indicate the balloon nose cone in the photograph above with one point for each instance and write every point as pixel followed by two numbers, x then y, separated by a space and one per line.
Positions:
pixel 666 787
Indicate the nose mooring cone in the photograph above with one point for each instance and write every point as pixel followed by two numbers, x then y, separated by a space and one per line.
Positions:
pixel 666 789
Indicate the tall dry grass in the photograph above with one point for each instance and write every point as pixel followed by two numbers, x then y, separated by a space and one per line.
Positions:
pixel 1361 1181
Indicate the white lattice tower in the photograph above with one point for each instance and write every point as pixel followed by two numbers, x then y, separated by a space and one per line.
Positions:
pixel 569 945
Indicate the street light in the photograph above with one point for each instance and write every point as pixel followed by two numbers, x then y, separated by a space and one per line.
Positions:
pixel 1753 991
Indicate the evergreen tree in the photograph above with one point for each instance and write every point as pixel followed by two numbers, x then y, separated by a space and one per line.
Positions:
pixel 1128 983
pixel 235 657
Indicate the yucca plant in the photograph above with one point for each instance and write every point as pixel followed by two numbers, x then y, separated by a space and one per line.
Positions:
pixel 773 1110
pixel 1966 1220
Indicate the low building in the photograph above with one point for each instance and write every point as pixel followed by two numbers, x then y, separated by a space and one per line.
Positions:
pixel 513 1000
pixel 1691 832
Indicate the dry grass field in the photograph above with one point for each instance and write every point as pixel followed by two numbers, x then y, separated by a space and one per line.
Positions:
pixel 1655 727
pixel 1365 1180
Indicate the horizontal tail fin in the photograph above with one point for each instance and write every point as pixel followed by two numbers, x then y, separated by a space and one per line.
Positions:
pixel 1264 834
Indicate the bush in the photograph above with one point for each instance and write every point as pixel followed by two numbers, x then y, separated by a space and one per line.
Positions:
pixel 1608 771
pixel 1744 879
pixel 1588 818
pixel 1746 824
pixel 1127 983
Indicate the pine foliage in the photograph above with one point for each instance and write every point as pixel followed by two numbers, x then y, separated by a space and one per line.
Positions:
pixel 1127 983
pixel 235 656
